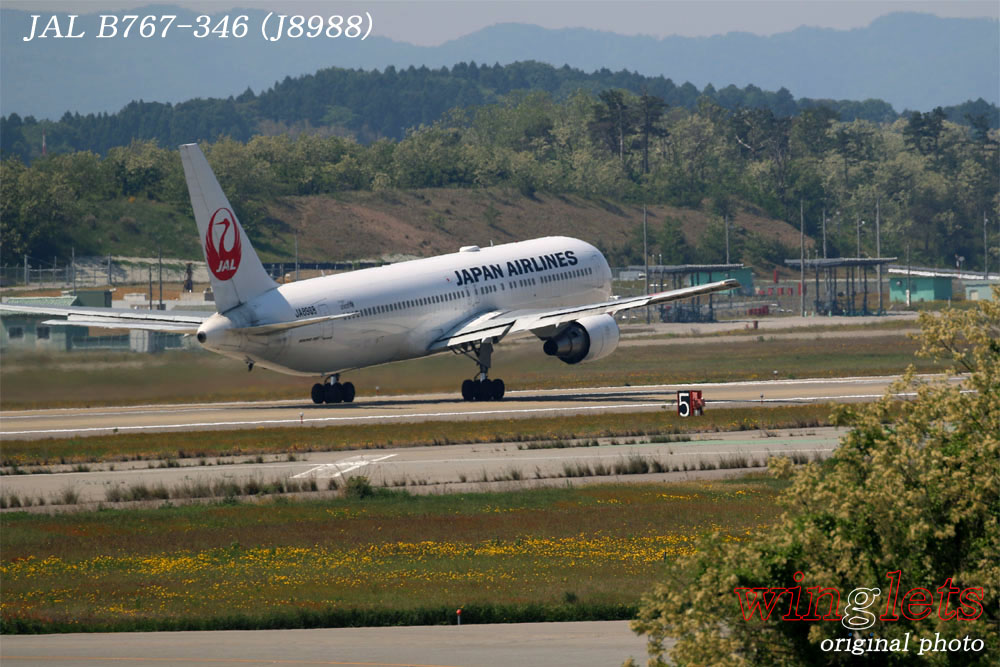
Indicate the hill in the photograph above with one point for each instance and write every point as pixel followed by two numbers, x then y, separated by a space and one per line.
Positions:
pixel 424 222
pixel 403 224
pixel 372 105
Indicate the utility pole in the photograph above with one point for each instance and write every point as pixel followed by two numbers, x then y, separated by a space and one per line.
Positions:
pixel 160 263
pixel 858 223
pixel 802 259
pixel 27 276
pixel 645 257
pixel 296 255
pixel 986 251
pixel 907 272
pixel 150 287
pixel 73 267
pixel 878 252
pixel 725 222
pixel 824 233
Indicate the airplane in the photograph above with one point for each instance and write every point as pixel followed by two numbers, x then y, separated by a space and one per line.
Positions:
pixel 556 288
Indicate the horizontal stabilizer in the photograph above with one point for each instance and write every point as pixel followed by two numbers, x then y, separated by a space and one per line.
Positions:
pixel 169 327
pixel 294 324
pixel 108 318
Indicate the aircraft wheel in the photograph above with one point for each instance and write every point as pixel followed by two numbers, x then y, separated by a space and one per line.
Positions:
pixel 497 389
pixel 334 393
pixel 318 393
pixel 469 390
pixel 484 390
pixel 348 392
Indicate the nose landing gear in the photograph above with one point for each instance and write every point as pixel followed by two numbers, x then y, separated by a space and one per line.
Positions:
pixel 332 391
pixel 482 388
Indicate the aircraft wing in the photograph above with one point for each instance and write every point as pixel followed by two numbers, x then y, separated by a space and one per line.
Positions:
pixel 151 320
pixel 497 324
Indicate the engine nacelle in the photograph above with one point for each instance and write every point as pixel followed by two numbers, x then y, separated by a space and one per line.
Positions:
pixel 587 339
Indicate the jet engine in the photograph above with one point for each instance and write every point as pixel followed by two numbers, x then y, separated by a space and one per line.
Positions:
pixel 587 339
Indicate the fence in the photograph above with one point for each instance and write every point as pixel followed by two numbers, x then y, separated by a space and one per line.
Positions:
pixel 96 272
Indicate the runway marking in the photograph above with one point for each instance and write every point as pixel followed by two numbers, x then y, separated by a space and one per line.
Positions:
pixel 240 661
pixel 620 455
pixel 353 463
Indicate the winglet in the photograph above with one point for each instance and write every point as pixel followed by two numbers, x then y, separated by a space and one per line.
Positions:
pixel 235 271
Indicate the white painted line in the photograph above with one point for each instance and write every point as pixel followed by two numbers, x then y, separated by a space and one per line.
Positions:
pixel 574 453
pixel 341 468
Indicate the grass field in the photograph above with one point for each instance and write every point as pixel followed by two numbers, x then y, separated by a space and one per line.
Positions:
pixel 880 328
pixel 251 442
pixel 543 554
pixel 106 378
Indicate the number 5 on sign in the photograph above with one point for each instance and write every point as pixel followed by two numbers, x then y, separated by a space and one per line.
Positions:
pixel 690 403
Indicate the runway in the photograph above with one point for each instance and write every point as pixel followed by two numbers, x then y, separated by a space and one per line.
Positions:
pixel 448 468
pixel 76 422
pixel 523 644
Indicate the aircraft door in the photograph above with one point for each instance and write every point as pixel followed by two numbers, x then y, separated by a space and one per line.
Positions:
pixel 326 328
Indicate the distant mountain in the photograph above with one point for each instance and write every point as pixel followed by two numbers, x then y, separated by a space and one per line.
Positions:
pixel 913 61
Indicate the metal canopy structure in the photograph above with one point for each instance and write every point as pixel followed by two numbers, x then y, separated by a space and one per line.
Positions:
pixel 664 276
pixel 897 269
pixel 830 300
pixel 684 269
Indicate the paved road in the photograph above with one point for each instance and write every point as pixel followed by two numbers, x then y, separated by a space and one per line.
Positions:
pixel 525 645
pixel 445 468
pixel 68 422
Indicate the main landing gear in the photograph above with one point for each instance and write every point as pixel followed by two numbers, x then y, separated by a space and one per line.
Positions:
pixel 332 391
pixel 481 388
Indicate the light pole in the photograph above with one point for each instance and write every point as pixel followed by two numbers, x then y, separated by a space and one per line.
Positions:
pixel 824 233
pixel 802 259
pixel 645 257
pixel 878 252
pixel 986 251
pixel 725 222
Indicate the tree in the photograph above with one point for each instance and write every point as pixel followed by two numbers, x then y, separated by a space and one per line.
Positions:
pixel 650 111
pixel 812 130
pixel 672 244
pixel 37 210
pixel 613 122
pixel 854 142
pixel 923 131
pixel 912 493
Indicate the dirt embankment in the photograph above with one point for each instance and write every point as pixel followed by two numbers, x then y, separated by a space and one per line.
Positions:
pixel 420 223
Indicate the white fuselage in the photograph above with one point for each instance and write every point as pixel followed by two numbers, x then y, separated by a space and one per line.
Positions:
pixel 401 309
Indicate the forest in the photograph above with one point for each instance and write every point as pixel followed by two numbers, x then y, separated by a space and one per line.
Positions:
pixel 933 181
pixel 372 105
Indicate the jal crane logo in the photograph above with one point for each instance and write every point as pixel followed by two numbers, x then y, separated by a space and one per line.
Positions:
pixel 223 245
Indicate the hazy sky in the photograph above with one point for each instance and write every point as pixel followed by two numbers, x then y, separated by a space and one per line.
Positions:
pixel 433 22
